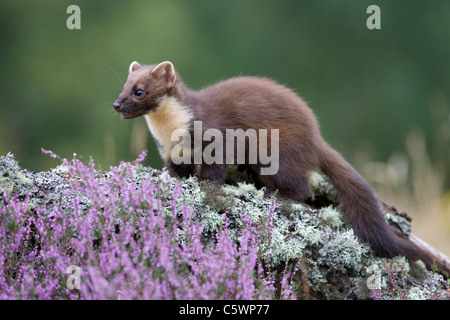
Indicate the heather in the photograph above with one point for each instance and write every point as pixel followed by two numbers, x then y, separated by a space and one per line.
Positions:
pixel 129 239
pixel 77 232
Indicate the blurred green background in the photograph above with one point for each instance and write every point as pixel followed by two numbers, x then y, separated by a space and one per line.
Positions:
pixel 382 97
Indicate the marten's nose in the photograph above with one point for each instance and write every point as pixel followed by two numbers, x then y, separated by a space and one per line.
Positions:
pixel 116 106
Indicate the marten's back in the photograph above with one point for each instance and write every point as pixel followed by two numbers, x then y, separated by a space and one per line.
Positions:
pixel 258 103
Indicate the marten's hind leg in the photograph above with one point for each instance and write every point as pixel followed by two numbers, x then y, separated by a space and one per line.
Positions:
pixel 213 172
pixel 291 185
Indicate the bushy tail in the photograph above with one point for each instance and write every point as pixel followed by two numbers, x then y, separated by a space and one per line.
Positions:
pixel 359 204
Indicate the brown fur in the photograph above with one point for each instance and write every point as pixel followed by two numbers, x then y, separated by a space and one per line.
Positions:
pixel 259 103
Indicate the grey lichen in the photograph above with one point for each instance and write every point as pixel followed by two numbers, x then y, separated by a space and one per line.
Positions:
pixel 11 175
pixel 342 251
pixel 335 261
pixel 400 223
pixel 320 187
pixel 416 293
pixel 332 216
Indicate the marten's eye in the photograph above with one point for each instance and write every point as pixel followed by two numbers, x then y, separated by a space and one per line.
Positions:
pixel 138 93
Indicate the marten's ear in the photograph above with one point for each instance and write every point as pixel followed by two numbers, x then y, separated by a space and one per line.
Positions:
pixel 165 69
pixel 134 66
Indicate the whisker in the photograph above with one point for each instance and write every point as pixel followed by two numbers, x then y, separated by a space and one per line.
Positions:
pixel 117 75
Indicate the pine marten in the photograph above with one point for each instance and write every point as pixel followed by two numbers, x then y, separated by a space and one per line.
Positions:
pixel 157 93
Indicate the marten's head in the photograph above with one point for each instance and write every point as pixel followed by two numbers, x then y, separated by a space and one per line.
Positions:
pixel 144 89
